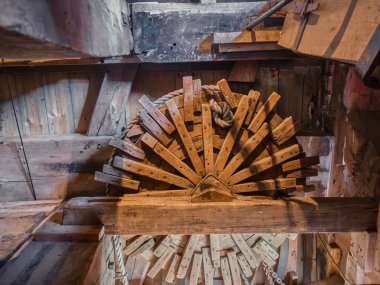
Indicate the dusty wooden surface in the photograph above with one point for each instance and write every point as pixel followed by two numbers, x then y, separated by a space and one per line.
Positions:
pixel 130 215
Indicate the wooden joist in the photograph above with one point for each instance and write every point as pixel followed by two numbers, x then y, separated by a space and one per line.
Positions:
pixel 187 255
pixel 207 138
pixel 254 97
pixel 154 128
pixel 300 163
pixel 146 215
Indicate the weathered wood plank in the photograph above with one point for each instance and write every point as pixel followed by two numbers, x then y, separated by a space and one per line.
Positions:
pixel 263 112
pixel 170 158
pixel 153 128
pixel 228 96
pixel 173 268
pixel 207 138
pixel 207 266
pixel 270 184
pixel 254 97
pixel 231 136
pixel 117 181
pixel 244 265
pixel 112 100
pixel 127 147
pixel 156 114
pixel 215 254
pixel 188 99
pixel 249 146
pixel 161 262
pixel 187 255
pixel 185 137
pixel 135 244
pixel 197 89
pixel 142 215
pixel 235 270
pixel 226 272
pixel 300 163
pixel 151 172
pixel 265 163
pixel 195 269
pixel 245 250
pixel 289 133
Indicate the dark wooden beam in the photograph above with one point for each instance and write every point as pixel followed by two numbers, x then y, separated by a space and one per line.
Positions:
pixel 177 215
pixel 63 29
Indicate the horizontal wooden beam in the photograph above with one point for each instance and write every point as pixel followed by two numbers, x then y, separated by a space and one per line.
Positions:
pixel 177 215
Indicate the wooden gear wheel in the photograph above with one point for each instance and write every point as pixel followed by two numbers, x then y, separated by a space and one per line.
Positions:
pixel 176 147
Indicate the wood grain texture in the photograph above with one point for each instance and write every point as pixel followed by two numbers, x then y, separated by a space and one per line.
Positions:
pixel 141 215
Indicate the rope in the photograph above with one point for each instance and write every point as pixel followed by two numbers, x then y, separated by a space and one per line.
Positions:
pixel 221 114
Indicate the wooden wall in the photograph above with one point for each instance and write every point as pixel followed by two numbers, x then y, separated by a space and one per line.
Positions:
pixel 54 106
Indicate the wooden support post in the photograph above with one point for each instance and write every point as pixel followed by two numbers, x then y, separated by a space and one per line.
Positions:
pixel 177 215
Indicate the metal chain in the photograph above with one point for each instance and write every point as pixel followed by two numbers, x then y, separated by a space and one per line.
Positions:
pixel 271 275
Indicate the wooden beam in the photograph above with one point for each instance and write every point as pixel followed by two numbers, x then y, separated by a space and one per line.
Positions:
pixel 177 215
pixel 112 100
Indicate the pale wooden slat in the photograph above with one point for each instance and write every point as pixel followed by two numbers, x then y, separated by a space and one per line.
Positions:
pixel 170 158
pixel 235 271
pixel 215 254
pixel 207 138
pixel 161 262
pixel 188 99
pixel 265 163
pixel 146 246
pixel 249 146
pixel 263 112
pixel 228 96
pixel 185 137
pixel 265 246
pixel 151 172
pixel 187 255
pixel 245 250
pixel 117 181
pixel 207 266
pixel 270 184
pixel 127 147
pixel 244 265
pixel 156 114
pixel 226 272
pixel 173 268
pixel 231 136
pixel 195 269
pixel 152 127
pixel 130 248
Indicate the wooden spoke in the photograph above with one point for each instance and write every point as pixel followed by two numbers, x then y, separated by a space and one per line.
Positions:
pixel 176 152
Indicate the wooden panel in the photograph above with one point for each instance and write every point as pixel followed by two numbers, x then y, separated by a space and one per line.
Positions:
pixel 112 100
pixel 333 31
pixel 59 165
pixel 141 215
